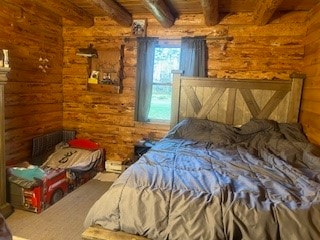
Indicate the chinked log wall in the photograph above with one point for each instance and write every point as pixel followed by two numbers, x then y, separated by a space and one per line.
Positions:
pixel 273 50
pixel 310 115
pixel 33 99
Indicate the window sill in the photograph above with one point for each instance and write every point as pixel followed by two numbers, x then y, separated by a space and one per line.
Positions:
pixel 159 122
pixel 159 125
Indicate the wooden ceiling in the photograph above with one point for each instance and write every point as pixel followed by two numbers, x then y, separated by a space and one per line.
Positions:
pixel 167 11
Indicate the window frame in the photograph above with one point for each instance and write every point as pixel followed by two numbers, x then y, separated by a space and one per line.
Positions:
pixel 165 44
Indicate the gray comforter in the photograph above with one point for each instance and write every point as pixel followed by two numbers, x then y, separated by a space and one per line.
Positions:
pixel 207 180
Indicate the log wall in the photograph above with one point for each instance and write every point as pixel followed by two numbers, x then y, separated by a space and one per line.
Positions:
pixel 271 51
pixel 33 99
pixel 310 110
pixel 38 102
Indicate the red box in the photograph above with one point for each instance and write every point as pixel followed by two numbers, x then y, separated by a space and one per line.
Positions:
pixel 53 187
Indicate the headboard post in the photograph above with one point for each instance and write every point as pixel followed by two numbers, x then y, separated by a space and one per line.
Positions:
pixel 295 96
pixel 176 83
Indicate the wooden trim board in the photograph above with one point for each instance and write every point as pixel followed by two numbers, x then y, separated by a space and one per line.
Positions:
pixel 99 233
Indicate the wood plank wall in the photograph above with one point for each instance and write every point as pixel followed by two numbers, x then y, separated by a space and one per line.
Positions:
pixel 310 114
pixel 271 51
pixel 33 99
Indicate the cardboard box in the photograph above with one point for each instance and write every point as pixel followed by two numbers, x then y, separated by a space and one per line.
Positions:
pixel 35 199
pixel 115 166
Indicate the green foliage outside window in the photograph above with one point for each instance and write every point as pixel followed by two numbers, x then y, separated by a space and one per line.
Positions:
pixel 166 60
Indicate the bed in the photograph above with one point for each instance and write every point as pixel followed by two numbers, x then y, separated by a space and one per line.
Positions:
pixel 235 165
pixel 81 158
pixel 60 163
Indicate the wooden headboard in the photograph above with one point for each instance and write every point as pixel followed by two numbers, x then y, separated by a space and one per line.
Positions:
pixel 236 101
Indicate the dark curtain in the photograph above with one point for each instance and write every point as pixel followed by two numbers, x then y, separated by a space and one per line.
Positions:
pixel 144 77
pixel 193 56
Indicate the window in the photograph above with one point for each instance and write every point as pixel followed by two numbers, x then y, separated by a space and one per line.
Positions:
pixel 166 59
pixel 153 79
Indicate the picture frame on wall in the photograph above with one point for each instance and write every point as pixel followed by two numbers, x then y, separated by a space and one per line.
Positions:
pixel 94 77
pixel 139 27
pixel 95 74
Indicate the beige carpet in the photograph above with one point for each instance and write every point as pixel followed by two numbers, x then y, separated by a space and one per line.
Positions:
pixel 61 221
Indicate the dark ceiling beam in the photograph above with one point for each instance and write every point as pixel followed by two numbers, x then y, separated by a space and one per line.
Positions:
pixel 115 11
pixel 210 10
pixel 264 11
pixel 67 10
pixel 160 11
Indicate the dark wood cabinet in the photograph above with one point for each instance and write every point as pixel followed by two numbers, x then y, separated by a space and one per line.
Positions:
pixel 5 208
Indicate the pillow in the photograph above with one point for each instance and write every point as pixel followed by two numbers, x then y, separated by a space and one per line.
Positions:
pixel 203 130
pixel 258 125
pixel 293 132
pixel 61 145
pixel 83 144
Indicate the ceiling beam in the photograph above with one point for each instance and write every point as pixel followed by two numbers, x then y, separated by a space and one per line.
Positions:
pixel 210 10
pixel 115 11
pixel 160 11
pixel 264 11
pixel 67 10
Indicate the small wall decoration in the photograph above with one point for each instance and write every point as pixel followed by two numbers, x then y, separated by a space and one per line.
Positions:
pixel 139 27
pixel 43 64
pixel 94 77
pixel 95 74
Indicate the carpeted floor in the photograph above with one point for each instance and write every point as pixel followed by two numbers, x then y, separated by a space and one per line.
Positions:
pixel 63 220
